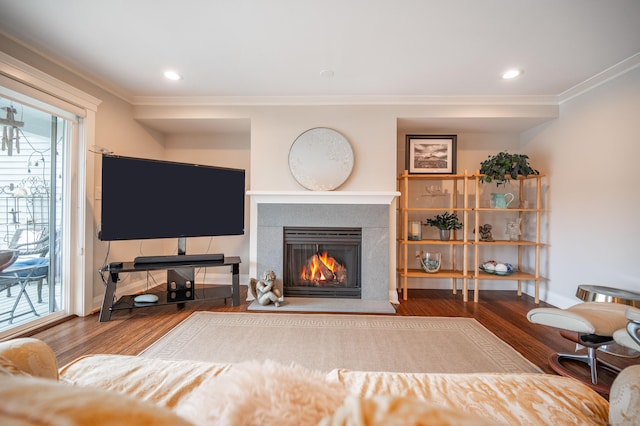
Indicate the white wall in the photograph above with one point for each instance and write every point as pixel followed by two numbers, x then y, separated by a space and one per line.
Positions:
pixel 592 155
pixel 117 132
pixel 224 150
pixel 371 132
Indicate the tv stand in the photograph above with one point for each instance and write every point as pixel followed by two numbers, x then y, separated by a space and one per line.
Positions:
pixel 188 263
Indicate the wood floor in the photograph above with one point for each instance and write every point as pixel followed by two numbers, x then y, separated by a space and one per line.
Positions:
pixel 502 312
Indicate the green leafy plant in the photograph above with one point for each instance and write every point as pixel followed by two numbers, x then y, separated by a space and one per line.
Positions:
pixel 504 165
pixel 445 221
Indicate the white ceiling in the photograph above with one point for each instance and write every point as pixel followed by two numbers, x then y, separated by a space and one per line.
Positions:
pixel 374 47
pixel 377 49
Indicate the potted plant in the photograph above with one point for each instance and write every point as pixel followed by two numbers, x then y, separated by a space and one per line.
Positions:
pixel 445 223
pixel 503 166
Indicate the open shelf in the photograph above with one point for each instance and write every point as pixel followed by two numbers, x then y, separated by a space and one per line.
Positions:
pixel 461 195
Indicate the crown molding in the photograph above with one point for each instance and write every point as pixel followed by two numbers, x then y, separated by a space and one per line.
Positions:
pixel 74 69
pixel 609 74
pixel 340 100
pixel 34 78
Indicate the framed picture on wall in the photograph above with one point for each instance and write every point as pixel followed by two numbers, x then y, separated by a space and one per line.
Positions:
pixel 431 154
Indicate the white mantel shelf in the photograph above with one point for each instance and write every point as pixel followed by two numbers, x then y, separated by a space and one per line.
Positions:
pixel 322 197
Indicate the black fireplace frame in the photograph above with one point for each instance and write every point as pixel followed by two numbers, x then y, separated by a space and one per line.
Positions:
pixel 346 236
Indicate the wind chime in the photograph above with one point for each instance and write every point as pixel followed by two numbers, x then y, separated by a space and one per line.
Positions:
pixel 10 133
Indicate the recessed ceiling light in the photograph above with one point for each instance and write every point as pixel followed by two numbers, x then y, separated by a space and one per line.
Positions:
pixel 172 75
pixel 326 73
pixel 509 74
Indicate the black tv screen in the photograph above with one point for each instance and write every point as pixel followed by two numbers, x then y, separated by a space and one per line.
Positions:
pixel 143 199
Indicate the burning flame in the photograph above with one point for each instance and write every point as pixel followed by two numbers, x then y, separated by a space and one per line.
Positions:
pixel 321 265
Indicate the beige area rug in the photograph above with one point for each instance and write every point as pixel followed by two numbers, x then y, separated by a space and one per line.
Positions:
pixel 356 342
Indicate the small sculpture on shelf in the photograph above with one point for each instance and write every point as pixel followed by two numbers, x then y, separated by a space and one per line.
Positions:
pixel 265 290
pixel 485 232
pixel 513 229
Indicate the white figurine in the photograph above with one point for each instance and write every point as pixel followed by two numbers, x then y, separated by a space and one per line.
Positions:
pixel 265 290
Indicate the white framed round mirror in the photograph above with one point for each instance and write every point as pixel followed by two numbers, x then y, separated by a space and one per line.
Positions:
pixel 321 159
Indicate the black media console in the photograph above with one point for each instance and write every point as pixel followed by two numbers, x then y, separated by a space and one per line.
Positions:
pixel 180 286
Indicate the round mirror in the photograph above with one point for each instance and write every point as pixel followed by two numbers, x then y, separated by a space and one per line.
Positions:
pixel 321 159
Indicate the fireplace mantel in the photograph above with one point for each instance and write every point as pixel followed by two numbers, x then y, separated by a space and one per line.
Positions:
pixel 271 211
pixel 322 197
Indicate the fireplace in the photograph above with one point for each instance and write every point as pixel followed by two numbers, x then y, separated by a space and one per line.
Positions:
pixel 322 262
pixel 370 212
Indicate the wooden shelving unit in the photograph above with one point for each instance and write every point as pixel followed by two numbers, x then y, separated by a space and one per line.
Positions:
pixel 456 197
pixel 452 198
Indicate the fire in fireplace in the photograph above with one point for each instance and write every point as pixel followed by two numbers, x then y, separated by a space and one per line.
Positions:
pixel 323 269
pixel 322 262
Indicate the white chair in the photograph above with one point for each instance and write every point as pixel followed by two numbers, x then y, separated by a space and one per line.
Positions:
pixel 592 323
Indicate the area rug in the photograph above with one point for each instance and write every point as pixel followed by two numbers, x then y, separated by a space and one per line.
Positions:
pixel 356 342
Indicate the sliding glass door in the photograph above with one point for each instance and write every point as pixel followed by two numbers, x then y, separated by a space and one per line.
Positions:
pixel 33 182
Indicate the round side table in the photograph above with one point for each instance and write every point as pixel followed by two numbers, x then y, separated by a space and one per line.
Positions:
pixel 598 293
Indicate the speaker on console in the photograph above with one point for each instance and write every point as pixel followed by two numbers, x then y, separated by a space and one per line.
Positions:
pixel 180 284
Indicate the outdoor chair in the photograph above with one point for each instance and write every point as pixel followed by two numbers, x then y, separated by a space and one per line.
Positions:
pixel 31 265
pixel 30 244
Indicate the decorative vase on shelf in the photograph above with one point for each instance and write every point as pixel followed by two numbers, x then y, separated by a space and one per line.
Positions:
pixel 445 234
pixel 430 261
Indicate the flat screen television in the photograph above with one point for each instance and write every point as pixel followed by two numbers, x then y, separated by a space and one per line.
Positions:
pixel 144 199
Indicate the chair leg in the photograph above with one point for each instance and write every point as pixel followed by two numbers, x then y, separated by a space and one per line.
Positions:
pixel 39 283
pixel 589 358
pixel 23 290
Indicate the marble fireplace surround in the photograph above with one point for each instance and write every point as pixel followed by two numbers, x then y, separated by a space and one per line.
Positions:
pixel 272 211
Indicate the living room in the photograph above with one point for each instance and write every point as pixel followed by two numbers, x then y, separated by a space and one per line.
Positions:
pixel 553 130
pixel 581 137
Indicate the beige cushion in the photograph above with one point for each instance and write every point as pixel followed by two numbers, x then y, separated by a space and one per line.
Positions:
pixel 30 401
pixel 164 382
pixel 400 411
pixel 590 317
pixel 512 399
pixel 8 368
pixel 30 356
